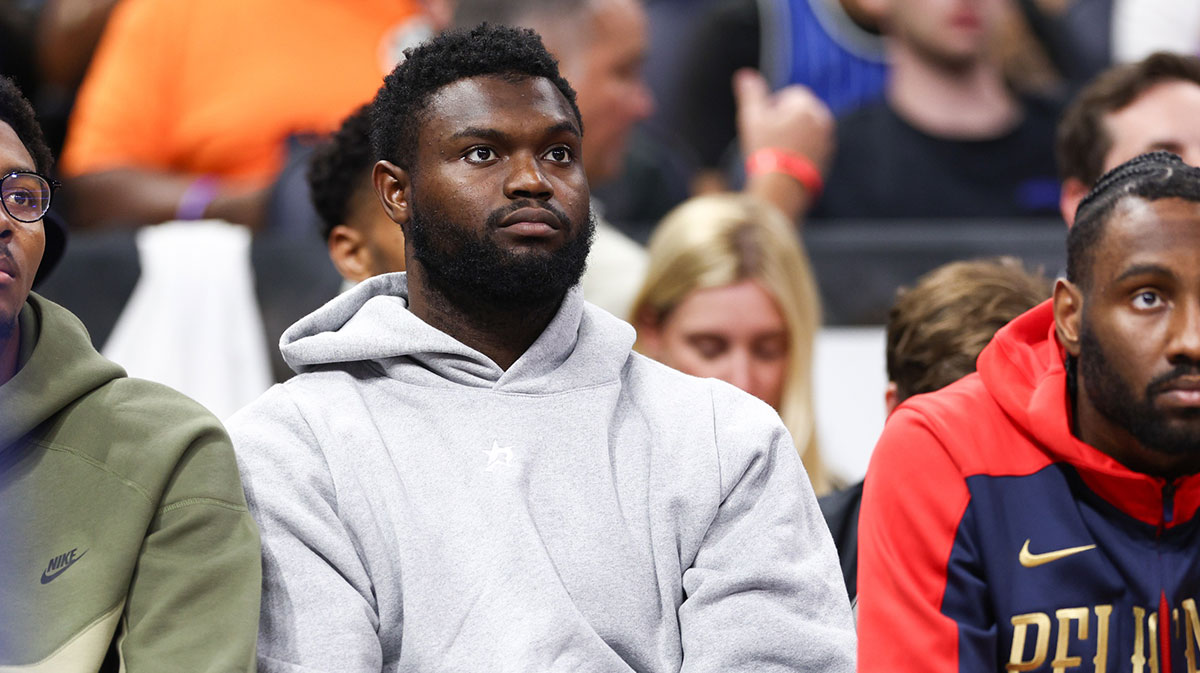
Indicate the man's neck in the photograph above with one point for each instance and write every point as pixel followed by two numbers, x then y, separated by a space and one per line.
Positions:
pixel 962 103
pixel 500 334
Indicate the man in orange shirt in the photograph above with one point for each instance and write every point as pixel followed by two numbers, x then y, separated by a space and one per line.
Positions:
pixel 187 107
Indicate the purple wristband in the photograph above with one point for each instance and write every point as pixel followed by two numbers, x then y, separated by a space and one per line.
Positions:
pixel 196 197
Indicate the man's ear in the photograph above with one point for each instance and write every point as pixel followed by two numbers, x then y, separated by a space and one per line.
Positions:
pixel 392 185
pixel 1068 314
pixel 891 397
pixel 350 254
pixel 1073 191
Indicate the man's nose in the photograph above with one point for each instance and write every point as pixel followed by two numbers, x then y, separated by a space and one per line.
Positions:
pixel 642 101
pixel 7 224
pixel 1185 333
pixel 526 179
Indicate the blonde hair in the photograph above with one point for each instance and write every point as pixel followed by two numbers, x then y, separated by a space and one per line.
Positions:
pixel 720 240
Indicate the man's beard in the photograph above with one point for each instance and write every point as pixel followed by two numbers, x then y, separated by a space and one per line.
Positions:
pixel 1175 432
pixel 471 268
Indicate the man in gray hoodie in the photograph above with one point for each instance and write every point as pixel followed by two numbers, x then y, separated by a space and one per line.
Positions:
pixel 473 472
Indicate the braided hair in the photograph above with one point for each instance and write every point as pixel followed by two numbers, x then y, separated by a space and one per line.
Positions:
pixel 1152 176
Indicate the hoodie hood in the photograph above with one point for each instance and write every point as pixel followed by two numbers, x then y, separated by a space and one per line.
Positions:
pixel 59 368
pixel 583 345
pixel 1023 369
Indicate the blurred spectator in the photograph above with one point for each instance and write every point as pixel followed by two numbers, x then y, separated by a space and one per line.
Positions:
pixel 67 34
pixel 935 332
pixel 832 47
pixel 1084 37
pixel 1129 109
pixel 729 294
pixel 950 138
pixel 363 241
pixel 186 108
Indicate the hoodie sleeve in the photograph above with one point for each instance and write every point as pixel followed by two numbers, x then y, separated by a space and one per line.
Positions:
pixel 914 500
pixel 318 611
pixel 764 592
pixel 197 577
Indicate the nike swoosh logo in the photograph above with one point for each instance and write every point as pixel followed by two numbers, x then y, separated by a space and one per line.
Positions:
pixel 46 579
pixel 1034 560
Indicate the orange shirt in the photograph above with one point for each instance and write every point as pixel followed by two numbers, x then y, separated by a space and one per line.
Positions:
pixel 216 86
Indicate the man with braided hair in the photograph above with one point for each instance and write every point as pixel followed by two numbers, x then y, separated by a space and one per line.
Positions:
pixel 1041 514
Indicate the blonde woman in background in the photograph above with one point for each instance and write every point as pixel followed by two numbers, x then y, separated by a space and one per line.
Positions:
pixel 729 294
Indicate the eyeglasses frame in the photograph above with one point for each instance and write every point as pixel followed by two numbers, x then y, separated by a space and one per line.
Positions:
pixel 54 184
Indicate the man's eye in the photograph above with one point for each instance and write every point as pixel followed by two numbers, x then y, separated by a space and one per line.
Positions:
pixel 19 197
pixel 560 155
pixel 481 154
pixel 1147 299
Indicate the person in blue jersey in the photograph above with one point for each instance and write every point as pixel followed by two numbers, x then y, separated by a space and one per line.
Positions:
pixel 949 139
pixel 832 48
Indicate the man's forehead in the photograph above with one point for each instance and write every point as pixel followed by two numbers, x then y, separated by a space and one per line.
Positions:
pixel 1159 118
pixel 1139 232
pixel 490 99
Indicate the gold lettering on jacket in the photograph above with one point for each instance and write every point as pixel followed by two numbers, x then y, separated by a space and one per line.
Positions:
pixel 1063 661
pixel 1192 629
pixel 1071 630
pixel 1021 624
pixel 1103 612
pixel 1139 640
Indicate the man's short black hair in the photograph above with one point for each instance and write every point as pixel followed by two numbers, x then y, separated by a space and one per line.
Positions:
pixel 16 111
pixel 1152 176
pixel 340 168
pixel 400 107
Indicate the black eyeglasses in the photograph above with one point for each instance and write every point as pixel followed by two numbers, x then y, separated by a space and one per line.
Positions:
pixel 26 196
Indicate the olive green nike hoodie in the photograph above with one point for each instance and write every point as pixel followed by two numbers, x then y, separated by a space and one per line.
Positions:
pixel 125 543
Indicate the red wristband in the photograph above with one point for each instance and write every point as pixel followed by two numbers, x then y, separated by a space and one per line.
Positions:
pixel 798 166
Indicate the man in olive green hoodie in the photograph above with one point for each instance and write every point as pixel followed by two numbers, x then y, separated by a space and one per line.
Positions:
pixel 125 543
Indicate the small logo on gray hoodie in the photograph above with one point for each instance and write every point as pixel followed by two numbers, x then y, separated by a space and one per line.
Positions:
pixel 59 564
pixel 498 455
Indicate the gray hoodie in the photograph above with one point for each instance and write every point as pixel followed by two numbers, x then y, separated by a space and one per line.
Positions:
pixel 588 509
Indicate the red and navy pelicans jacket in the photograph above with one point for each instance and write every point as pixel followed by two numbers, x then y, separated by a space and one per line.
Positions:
pixel 991 539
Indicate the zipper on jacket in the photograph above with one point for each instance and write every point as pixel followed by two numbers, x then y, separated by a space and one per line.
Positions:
pixel 1168 498
pixel 1164 617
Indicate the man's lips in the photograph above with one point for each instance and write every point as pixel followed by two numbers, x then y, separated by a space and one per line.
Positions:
pixel 531 222
pixel 967 20
pixel 1181 391
pixel 8 268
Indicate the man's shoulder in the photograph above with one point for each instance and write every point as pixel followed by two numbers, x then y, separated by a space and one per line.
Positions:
pixel 965 422
pixel 658 389
pixel 130 422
